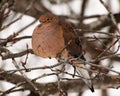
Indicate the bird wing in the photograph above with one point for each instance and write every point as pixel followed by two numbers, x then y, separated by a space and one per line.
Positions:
pixel 71 39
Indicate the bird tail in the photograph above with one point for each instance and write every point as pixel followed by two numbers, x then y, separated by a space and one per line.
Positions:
pixel 85 75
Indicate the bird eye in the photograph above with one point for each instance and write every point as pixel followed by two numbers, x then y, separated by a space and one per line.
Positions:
pixel 48 19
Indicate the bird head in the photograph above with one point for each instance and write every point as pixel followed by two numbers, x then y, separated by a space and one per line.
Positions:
pixel 48 18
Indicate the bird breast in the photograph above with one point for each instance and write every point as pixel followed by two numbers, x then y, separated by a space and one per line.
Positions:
pixel 48 41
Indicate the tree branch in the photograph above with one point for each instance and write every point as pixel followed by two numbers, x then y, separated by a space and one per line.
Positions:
pixel 15 55
pixel 51 88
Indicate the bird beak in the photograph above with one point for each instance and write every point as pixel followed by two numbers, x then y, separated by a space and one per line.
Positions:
pixel 40 25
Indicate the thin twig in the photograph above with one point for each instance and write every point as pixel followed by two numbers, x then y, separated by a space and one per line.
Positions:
pixel 26 78
pixel 111 15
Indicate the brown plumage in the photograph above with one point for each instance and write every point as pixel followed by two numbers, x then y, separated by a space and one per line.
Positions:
pixel 56 37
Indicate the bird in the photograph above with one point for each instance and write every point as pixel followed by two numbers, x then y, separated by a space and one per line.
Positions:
pixel 55 38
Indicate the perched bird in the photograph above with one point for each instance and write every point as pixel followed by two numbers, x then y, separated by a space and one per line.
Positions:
pixel 55 37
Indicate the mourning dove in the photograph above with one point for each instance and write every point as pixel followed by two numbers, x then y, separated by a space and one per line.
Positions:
pixel 54 37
